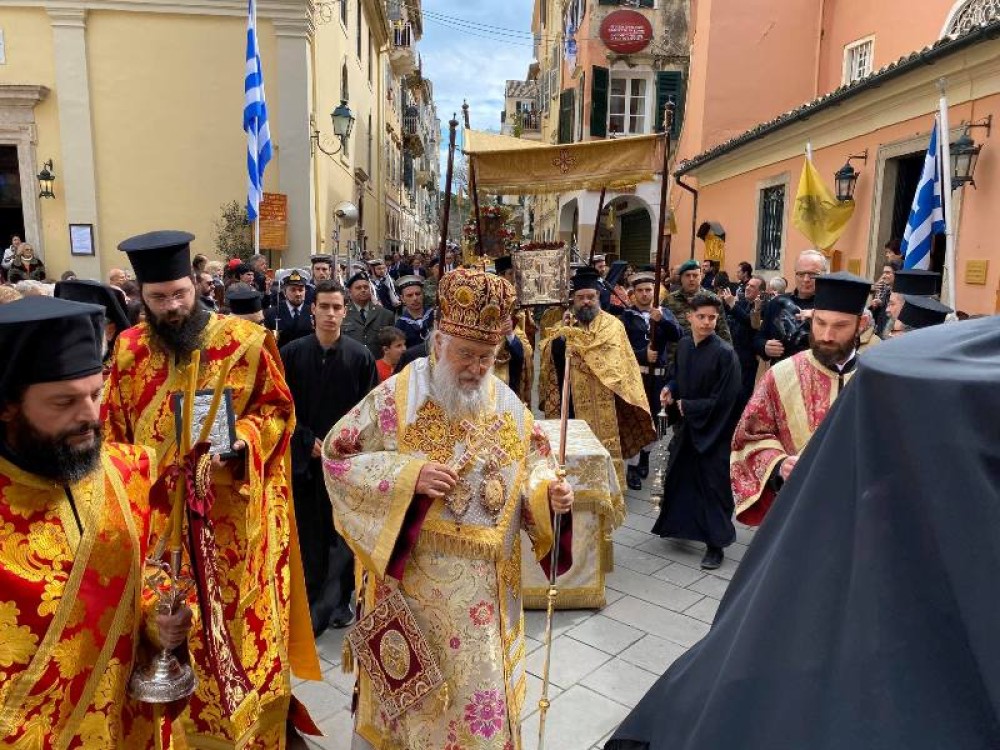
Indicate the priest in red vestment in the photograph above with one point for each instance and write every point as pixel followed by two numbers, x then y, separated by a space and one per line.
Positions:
pixel 795 395
pixel 243 699
pixel 74 528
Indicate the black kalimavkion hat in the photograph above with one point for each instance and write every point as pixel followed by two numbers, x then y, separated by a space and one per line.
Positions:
pixel 159 256
pixel 46 339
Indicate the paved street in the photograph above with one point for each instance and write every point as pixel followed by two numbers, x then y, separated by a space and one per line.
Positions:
pixel 659 604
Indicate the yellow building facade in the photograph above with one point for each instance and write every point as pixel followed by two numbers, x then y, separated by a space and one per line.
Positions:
pixel 139 107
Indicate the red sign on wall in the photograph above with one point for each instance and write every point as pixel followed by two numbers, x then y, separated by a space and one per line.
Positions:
pixel 626 32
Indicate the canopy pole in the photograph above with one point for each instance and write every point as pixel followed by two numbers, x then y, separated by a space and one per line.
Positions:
pixel 662 240
pixel 472 186
pixel 452 127
pixel 597 224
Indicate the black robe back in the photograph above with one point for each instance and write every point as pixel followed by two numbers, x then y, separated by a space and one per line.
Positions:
pixel 865 613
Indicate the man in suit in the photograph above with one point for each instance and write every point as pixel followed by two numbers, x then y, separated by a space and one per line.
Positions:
pixel 290 319
pixel 364 318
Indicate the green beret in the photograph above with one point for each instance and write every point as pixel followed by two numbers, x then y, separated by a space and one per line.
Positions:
pixel 689 265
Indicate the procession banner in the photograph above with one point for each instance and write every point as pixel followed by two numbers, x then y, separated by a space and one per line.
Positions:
pixel 506 165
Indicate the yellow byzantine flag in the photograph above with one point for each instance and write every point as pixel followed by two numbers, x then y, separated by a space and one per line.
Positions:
pixel 817 213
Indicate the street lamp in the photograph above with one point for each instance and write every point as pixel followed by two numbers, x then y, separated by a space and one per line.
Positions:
pixel 45 180
pixel 343 123
pixel 846 178
pixel 965 154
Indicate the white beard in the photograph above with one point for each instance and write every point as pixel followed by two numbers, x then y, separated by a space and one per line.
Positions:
pixel 458 403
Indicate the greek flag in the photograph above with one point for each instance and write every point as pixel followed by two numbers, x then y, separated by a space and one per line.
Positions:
pixel 927 215
pixel 255 118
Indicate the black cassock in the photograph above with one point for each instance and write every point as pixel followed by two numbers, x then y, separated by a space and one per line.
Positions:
pixel 864 615
pixel 325 385
pixel 697 495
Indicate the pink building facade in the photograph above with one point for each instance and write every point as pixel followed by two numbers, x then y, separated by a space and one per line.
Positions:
pixel 849 77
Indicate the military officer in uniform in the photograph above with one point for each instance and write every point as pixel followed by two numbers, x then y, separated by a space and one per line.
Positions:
pixel 290 319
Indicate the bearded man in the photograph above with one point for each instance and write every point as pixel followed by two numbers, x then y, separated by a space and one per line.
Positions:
pixel 257 555
pixel 432 477
pixel 606 389
pixel 794 397
pixel 76 519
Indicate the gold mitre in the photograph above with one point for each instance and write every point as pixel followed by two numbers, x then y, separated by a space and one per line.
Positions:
pixel 474 304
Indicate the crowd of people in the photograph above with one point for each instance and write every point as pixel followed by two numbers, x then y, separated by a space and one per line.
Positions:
pixel 383 459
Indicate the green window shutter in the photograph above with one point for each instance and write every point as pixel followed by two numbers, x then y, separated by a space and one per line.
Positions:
pixel 599 78
pixel 670 83
pixel 645 3
pixel 566 101
pixel 609 2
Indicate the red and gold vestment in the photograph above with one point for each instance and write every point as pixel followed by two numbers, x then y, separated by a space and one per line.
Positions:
pixel 258 559
pixel 70 604
pixel 787 407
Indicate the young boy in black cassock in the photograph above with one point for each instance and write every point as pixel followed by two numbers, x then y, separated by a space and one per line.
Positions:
pixel 702 400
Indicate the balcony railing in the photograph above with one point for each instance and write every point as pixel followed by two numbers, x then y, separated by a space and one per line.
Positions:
pixel 531 121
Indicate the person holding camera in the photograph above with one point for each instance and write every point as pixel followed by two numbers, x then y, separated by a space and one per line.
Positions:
pixel 784 329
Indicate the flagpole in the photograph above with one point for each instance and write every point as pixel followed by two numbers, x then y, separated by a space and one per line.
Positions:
pixel 944 146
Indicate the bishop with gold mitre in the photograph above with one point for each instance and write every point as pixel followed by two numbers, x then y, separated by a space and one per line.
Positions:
pixel 432 478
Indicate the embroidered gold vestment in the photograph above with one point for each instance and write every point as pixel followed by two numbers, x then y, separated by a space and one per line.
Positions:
pixel 606 390
pixel 462 577
pixel 258 558
pixel 70 604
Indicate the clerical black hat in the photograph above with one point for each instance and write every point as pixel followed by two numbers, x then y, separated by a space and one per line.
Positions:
pixel 45 339
pixel 243 301
pixel 293 279
pixel 502 264
pixel 916 281
pixel 110 298
pixel 842 292
pixel 159 256
pixel 321 259
pixel 921 312
pixel 585 278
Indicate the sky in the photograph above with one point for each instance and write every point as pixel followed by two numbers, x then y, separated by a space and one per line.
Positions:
pixel 470 48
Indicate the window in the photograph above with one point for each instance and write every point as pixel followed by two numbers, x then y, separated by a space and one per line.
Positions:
pixel 858 59
pixel 371 58
pixel 627 106
pixel 770 227
pixel 343 13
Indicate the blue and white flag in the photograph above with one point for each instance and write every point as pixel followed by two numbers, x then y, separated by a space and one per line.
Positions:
pixel 927 215
pixel 255 118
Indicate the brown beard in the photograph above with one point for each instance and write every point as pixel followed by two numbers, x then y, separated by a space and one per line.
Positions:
pixel 833 355
pixel 52 457
pixel 178 333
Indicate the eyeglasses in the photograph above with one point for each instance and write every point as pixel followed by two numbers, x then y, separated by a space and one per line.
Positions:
pixel 806 274
pixel 467 358
pixel 162 300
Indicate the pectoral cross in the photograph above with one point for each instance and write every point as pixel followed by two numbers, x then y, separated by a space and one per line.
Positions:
pixel 476 438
